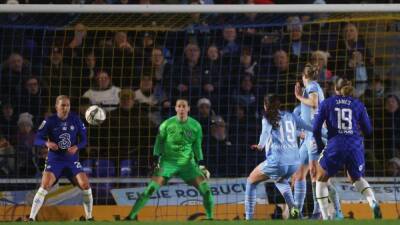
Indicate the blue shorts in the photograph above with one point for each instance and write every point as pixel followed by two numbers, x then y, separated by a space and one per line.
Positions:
pixel 276 172
pixel 308 150
pixel 340 152
pixel 69 169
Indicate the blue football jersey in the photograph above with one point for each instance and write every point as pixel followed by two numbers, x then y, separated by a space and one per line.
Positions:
pixel 344 116
pixel 307 112
pixel 281 144
pixel 64 133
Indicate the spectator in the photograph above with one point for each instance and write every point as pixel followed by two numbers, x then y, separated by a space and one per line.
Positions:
pixel 161 69
pixel 15 70
pixel 281 78
pixel 74 51
pixel 231 47
pixel 89 71
pixel 247 64
pixel 80 33
pixel 391 127
pixel 23 143
pixel 394 167
pixel 297 44
pixel 190 83
pixel 204 115
pixel 131 134
pixel 345 56
pixel 121 61
pixel 376 91
pixel 8 121
pixel 60 77
pixel 219 150
pixel 104 94
pixel 151 99
pixel 34 99
pixel 320 58
pixel 243 129
pixel 358 73
pixel 246 94
pixel 213 72
pixel 7 158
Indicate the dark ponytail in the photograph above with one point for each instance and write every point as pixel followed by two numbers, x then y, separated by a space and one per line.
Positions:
pixel 273 105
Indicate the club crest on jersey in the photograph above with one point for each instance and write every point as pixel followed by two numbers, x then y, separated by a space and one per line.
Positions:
pixel 188 133
pixel 72 127
pixel 42 124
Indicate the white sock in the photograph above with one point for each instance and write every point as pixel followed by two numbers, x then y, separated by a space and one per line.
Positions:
pixel 37 202
pixel 322 194
pixel 363 187
pixel 88 202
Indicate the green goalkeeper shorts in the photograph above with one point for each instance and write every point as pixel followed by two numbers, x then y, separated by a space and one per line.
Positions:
pixel 187 172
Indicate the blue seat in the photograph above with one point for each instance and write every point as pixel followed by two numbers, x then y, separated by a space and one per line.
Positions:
pixel 126 167
pixel 87 166
pixel 105 168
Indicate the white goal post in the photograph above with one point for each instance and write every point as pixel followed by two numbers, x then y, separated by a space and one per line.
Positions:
pixel 246 8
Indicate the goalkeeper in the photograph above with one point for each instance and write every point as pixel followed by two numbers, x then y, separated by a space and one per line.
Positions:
pixel 177 151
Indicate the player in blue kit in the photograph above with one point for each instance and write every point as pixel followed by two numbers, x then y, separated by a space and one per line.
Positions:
pixel 63 133
pixel 344 116
pixel 310 98
pixel 279 139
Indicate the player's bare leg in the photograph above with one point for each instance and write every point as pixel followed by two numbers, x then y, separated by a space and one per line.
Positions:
pixel 255 177
pixel 48 180
pixel 83 183
pixel 313 164
pixel 155 184
pixel 201 185
pixel 300 186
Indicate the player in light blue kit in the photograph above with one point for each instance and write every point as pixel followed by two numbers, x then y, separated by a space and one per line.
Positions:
pixel 279 139
pixel 63 133
pixel 344 116
pixel 310 98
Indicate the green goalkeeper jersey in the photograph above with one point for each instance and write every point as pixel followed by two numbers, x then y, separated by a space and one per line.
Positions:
pixel 179 142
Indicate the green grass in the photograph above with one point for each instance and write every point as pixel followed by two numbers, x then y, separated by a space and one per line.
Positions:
pixel 259 222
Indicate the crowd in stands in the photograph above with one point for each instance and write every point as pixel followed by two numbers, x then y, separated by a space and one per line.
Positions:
pixel 136 76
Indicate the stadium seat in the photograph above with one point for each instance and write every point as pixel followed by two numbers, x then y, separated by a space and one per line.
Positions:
pixel 105 168
pixel 126 165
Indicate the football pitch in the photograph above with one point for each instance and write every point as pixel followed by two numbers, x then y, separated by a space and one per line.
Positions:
pixel 259 222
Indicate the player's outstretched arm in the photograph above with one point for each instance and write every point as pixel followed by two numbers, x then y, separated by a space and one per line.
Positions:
pixel 265 134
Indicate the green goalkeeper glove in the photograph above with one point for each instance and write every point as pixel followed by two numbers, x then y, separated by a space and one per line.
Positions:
pixel 155 165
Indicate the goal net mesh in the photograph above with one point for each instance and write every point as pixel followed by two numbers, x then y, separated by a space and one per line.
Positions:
pixel 136 65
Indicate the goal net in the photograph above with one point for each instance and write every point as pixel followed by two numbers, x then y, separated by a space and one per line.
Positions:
pixel 136 65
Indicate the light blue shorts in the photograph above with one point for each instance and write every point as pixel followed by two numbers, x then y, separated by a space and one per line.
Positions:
pixel 276 172
pixel 308 150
